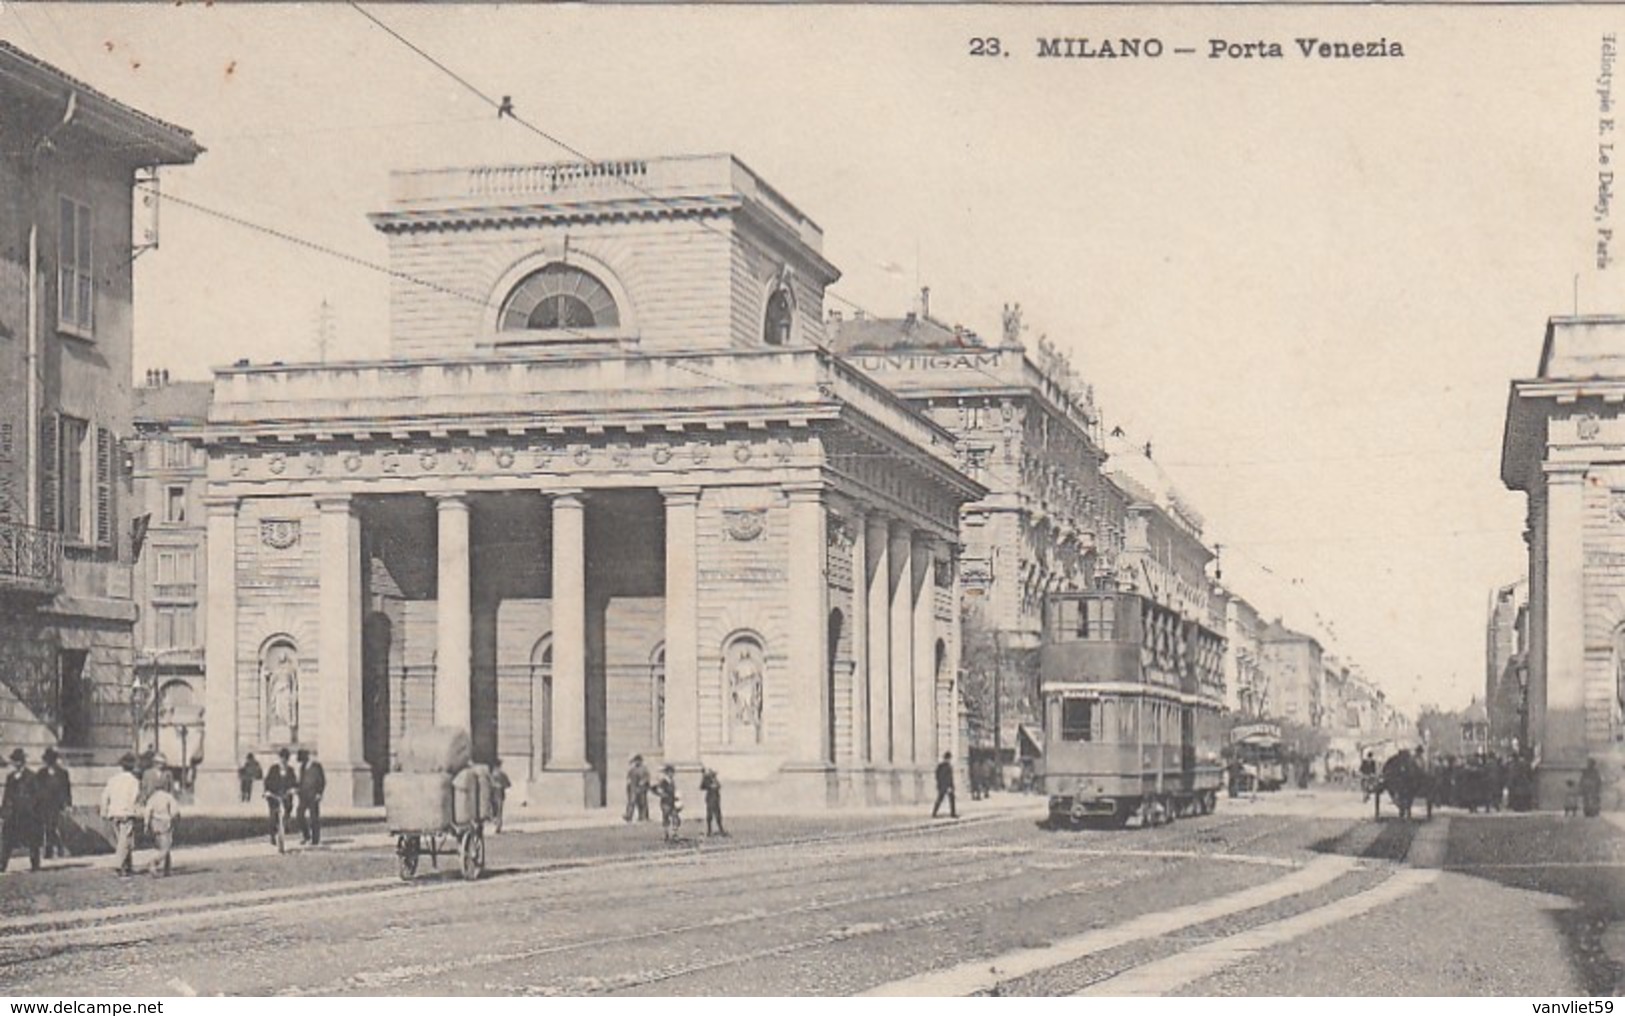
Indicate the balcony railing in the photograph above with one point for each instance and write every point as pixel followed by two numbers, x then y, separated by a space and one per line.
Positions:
pixel 30 558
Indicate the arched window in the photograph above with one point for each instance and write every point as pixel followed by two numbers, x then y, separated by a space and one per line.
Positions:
pixel 541 699
pixel 780 316
pixel 744 687
pixel 559 297
pixel 657 693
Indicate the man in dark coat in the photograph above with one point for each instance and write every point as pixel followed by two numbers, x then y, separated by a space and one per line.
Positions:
pixel 312 784
pixel 56 797
pixel 711 787
pixel 945 786
pixel 280 783
pixel 19 812
pixel 1591 789
pixel 248 774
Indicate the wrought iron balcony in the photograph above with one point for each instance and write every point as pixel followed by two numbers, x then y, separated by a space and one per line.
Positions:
pixel 30 559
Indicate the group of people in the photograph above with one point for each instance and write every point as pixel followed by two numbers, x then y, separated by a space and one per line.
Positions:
pixel 1482 780
pixel 32 808
pixel 141 791
pixel 640 784
pixel 283 784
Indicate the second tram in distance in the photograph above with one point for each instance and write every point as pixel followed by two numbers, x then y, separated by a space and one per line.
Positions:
pixel 1131 696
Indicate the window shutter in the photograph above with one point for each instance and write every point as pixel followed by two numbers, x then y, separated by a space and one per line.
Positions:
pixel 50 466
pixel 105 448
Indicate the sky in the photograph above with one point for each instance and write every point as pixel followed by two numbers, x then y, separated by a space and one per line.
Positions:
pixel 1305 282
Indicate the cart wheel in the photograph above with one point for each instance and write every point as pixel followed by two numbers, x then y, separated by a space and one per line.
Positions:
pixel 472 849
pixel 408 848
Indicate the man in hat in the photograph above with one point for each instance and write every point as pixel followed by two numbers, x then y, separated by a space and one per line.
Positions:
pixel 19 812
pixel 945 786
pixel 120 806
pixel 711 786
pixel 637 790
pixel 312 785
pixel 280 783
pixel 671 805
pixel 56 797
pixel 154 773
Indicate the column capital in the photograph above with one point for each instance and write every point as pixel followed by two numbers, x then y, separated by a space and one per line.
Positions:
pixel 875 519
pixel 568 497
pixel 222 504
pixel 687 494
pixel 334 502
pixel 449 500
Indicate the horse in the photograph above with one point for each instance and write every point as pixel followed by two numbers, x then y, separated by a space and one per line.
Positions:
pixel 1403 786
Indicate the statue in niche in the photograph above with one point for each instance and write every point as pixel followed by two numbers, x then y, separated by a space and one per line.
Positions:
pixel 281 676
pixel 746 673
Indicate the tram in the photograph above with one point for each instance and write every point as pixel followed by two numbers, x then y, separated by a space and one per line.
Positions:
pixel 1257 747
pixel 1131 695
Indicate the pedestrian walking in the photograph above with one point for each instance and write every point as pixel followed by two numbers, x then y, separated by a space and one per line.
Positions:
pixel 120 808
pixel 162 813
pixel 20 812
pixel 280 784
pixel 56 797
pixel 637 790
pixel 671 803
pixel 499 792
pixel 1591 789
pixel 154 774
pixel 312 784
pixel 248 774
pixel 945 786
pixel 712 788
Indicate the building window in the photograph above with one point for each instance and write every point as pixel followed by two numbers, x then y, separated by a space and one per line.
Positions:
pixel 75 434
pixel 73 696
pixel 177 566
pixel 174 626
pixel 1077 719
pixel 76 286
pixel 780 317
pixel 175 503
pixel 176 454
pixel 559 298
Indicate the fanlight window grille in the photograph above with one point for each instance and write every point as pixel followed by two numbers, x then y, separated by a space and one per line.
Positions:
pixel 559 298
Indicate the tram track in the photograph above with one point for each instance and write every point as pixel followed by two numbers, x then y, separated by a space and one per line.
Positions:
pixel 65 927
pixel 384 980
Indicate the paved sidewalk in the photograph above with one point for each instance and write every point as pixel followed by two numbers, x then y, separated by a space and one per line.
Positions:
pixel 370 837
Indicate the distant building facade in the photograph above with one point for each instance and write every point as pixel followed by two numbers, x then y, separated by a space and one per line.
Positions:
pixel 69 161
pixel 1247 690
pixel 1506 654
pixel 168 480
pixel 1027 429
pixel 1292 661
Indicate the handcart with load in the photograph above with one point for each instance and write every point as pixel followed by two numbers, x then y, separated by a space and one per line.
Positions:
pixel 438 801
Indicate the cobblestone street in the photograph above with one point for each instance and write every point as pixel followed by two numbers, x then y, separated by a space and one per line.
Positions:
pixel 1292 894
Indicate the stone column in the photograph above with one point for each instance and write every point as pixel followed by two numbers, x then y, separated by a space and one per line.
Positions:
pixel 878 573
pixel 217 783
pixel 1562 741
pixel 808 622
pixel 860 638
pixel 925 653
pixel 682 742
pixel 349 779
pixel 454 622
pixel 569 603
pixel 902 645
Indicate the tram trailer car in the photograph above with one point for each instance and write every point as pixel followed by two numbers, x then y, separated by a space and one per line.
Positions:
pixel 1131 693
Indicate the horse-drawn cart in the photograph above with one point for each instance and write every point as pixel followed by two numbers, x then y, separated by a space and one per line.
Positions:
pixel 438 802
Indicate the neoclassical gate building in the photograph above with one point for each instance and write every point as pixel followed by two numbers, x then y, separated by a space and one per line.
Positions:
pixel 608 496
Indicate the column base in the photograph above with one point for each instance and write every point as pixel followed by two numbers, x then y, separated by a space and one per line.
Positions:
pixel 810 785
pixel 217 787
pixel 350 785
pixel 564 790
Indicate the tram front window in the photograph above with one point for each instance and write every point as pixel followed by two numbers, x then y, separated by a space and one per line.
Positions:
pixel 1077 720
